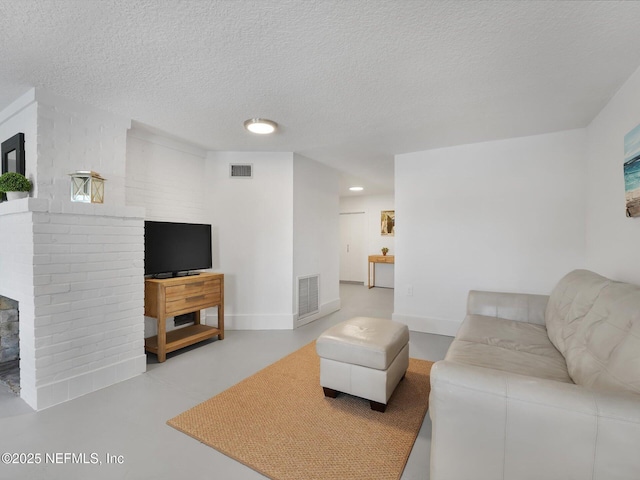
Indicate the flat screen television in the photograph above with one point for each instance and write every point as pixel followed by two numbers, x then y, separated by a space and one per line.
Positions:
pixel 173 249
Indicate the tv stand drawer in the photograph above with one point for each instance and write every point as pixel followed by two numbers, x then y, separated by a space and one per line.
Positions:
pixel 192 289
pixel 191 304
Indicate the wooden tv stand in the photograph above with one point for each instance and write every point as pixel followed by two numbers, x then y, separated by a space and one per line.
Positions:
pixel 168 297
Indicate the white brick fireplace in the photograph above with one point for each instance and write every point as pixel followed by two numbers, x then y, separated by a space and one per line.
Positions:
pixel 77 270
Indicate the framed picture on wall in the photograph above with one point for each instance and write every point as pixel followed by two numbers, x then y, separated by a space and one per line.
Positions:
pixel 632 172
pixel 387 223
pixel 13 156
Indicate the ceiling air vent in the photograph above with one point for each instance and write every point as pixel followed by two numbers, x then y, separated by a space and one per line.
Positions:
pixel 241 170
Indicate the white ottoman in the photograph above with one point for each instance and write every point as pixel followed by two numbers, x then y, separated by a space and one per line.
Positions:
pixel 366 357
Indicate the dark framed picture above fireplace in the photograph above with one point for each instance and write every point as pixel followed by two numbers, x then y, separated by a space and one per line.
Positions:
pixel 12 157
pixel 13 154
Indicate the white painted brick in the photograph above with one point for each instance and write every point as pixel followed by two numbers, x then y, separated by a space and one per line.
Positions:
pixel 41 280
pixel 106 274
pixel 51 350
pixel 68 316
pixel 51 289
pixel 51 228
pixel 66 297
pixel 69 278
pixel 41 259
pixel 65 355
pixel 51 269
pixel 52 309
pixel 47 373
pixel 68 238
pixel 87 285
pixel 87 248
pixel 42 320
pixel 76 269
pixel 41 300
pixel 50 248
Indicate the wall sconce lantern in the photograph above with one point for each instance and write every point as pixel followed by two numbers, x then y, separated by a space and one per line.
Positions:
pixel 87 187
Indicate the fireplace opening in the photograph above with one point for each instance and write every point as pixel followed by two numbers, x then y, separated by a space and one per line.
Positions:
pixel 9 344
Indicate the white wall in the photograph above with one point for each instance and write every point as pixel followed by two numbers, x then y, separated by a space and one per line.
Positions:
pixel 506 215
pixel 315 231
pixel 612 238
pixel 166 177
pixel 252 220
pixel 372 206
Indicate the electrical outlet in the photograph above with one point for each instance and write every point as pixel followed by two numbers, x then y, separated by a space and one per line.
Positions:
pixel 409 290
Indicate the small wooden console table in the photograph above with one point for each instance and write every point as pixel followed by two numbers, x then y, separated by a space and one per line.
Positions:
pixel 168 297
pixel 373 259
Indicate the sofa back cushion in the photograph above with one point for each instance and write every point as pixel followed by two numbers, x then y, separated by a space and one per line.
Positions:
pixel 595 324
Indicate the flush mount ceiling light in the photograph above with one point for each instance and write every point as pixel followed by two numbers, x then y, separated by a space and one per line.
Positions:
pixel 356 189
pixel 261 126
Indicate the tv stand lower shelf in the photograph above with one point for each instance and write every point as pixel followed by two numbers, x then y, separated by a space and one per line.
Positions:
pixel 182 337
pixel 169 297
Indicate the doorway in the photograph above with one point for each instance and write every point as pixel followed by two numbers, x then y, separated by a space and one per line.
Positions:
pixel 352 247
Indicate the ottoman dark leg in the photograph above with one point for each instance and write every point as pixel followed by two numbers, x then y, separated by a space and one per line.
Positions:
pixel 378 407
pixel 330 392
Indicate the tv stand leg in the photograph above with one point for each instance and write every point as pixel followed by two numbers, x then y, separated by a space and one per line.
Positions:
pixel 221 318
pixel 162 340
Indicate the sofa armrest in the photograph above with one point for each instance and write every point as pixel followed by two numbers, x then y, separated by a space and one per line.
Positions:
pixel 490 424
pixel 521 307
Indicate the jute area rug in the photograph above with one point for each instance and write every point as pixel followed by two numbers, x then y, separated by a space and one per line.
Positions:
pixel 279 423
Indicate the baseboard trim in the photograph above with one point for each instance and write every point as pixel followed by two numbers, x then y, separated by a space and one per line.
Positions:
pixel 325 309
pixel 74 387
pixel 255 322
pixel 427 325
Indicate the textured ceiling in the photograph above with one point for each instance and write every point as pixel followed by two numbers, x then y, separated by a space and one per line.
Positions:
pixel 351 82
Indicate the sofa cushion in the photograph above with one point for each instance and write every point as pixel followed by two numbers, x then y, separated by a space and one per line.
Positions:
pixel 595 323
pixel 508 345
pixel 569 302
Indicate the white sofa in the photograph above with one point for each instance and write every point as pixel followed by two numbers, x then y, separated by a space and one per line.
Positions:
pixel 541 388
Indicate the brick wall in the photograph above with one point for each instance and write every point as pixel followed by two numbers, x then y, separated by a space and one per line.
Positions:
pixel 89 290
pixel 166 177
pixel 75 137
pixel 16 282
pixel 75 269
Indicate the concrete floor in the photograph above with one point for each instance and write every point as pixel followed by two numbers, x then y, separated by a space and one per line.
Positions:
pixel 126 422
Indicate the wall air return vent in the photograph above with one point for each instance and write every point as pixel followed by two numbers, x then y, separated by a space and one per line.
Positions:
pixel 244 170
pixel 308 295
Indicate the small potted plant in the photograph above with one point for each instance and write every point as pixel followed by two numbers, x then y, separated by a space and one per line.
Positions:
pixel 14 185
pixel 384 250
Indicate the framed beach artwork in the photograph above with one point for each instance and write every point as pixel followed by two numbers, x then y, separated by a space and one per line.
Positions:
pixel 632 172
pixel 387 223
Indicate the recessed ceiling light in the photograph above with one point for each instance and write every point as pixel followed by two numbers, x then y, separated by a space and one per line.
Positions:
pixel 356 189
pixel 260 126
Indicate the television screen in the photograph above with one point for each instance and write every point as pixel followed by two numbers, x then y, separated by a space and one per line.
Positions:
pixel 172 248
